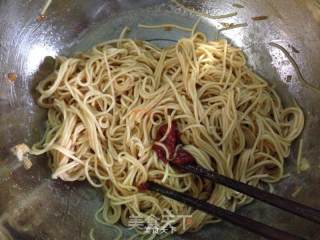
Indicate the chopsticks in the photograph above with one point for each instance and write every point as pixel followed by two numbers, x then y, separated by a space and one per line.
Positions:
pixel 183 160
pixel 272 199
pixel 234 218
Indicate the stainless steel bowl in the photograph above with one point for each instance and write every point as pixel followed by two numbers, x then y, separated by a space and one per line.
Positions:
pixel 32 206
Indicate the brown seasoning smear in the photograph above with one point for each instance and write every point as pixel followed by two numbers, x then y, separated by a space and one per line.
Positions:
pixel 12 76
pixel 168 29
pixel 259 18
pixel 41 18
pixel 294 49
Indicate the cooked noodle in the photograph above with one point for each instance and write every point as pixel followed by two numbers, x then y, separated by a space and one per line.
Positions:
pixel 106 105
pixel 98 219
pixel 233 26
pixel 165 26
pixel 299 156
pixel 45 7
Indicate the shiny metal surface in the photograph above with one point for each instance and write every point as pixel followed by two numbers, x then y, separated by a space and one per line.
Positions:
pixel 32 206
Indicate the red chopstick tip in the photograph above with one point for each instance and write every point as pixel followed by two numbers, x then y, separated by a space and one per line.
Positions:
pixel 143 187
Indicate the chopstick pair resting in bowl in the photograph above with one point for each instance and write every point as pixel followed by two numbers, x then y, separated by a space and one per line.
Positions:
pixel 185 162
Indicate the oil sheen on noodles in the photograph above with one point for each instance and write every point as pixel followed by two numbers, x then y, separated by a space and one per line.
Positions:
pixel 106 105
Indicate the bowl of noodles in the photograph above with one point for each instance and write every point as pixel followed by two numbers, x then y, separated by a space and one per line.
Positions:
pixel 98 97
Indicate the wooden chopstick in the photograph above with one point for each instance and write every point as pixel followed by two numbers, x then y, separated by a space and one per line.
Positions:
pixel 272 199
pixel 234 218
